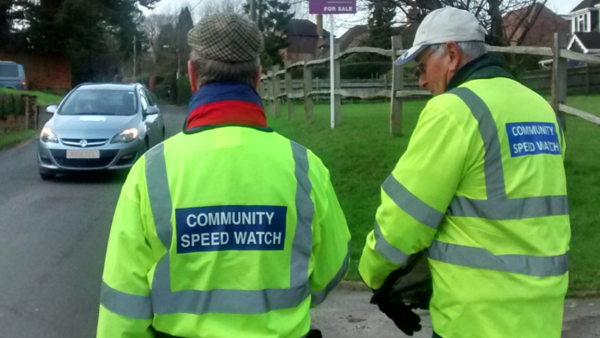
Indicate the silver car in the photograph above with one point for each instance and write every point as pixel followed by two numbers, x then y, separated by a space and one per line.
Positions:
pixel 99 127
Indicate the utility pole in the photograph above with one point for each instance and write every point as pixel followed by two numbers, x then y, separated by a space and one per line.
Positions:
pixel 259 19
pixel 177 29
pixel 253 10
pixel 134 56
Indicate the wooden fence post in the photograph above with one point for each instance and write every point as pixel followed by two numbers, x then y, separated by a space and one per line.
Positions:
pixel 587 79
pixel 32 112
pixel 288 90
pixel 276 91
pixel 261 89
pixel 385 81
pixel 559 78
pixel 271 89
pixel 397 84
pixel 337 86
pixel 318 88
pixel 25 100
pixel 308 99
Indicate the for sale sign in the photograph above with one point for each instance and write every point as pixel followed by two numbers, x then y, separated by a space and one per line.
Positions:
pixel 332 6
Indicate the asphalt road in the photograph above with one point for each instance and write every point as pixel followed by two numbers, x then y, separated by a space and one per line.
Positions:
pixel 53 237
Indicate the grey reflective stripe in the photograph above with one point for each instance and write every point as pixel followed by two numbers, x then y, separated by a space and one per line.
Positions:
pixel 391 253
pixel 411 204
pixel 305 209
pixel 125 304
pixel 535 266
pixel 319 296
pixel 497 206
pixel 509 209
pixel 494 175
pixel 158 192
pixel 220 300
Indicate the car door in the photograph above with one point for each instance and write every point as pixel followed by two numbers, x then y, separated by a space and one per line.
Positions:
pixel 150 121
pixel 159 122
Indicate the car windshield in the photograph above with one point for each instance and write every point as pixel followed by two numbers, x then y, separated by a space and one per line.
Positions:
pixel 100 102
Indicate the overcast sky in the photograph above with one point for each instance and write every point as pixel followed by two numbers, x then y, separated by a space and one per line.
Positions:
pixel 342 21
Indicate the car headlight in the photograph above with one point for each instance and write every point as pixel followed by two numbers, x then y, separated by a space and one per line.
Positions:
pixel 126 136
pixel 48 136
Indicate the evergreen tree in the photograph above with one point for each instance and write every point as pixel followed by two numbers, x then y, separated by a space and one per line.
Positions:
pixel 273 20
pixel 184 25
pixel 381 18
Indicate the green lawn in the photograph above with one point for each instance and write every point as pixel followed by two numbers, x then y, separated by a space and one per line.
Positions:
pixel 42 98
pixel 360 154
pixel 583 180
pixel 588 103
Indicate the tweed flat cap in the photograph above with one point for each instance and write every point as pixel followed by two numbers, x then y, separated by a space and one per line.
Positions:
pixel 226 37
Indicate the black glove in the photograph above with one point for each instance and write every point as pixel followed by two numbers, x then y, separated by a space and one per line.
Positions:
pixel 412 285
pixel 402 315
pixel 314 333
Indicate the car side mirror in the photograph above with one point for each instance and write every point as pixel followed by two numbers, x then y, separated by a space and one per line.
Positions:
pixel 51 109
pixel 152 110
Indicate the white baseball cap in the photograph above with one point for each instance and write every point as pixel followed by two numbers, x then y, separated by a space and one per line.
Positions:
pixel 441 26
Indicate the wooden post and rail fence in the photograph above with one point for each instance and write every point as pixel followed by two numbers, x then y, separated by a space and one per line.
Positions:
pixel 399 90
pixel 21 111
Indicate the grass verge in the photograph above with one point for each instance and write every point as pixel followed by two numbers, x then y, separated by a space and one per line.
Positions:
pixel 42 98
pixel 14 138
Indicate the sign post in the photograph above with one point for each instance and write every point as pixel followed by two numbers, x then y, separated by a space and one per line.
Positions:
pixel 332 71
pixel 332 7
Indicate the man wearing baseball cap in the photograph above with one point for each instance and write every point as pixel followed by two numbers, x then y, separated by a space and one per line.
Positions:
pixel 227 229
pixel 482 189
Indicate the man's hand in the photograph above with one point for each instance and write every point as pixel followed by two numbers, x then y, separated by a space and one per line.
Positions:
pixel 402 315
pixel 411 284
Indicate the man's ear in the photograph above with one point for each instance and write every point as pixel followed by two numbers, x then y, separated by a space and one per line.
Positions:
pixel 258 76
pixel 192 76
pixel 453 52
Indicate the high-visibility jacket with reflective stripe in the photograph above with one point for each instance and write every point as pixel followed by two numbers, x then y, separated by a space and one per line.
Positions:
pixel 490 204
pixel 260 292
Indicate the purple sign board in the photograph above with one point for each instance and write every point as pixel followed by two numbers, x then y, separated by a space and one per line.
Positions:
pixel 332 6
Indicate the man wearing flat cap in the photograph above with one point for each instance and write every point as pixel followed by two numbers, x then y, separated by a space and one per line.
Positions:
pixel 227 229
pixel 482 189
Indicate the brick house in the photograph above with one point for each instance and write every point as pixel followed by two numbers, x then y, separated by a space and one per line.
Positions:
pixel 542 21
pixel 302 38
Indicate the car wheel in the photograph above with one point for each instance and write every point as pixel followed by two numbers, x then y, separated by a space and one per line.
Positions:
pixel 46 176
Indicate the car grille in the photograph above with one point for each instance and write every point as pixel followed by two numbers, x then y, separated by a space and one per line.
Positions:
pixel 82 143
pixel 106 156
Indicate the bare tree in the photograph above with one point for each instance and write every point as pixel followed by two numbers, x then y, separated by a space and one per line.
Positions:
pixel 490 13
pixel 152 25
pixel 222 6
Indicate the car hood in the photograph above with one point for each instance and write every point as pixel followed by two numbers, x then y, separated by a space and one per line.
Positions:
pixel 91 126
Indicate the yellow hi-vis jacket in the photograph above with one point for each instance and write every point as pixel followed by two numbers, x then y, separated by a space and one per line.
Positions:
pixel 482 185
pixel 229 232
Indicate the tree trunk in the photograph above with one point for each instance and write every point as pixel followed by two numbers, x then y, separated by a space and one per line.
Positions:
pixel 5 5
pixel 497 29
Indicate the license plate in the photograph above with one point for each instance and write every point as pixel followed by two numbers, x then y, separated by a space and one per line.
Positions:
pixel 87 153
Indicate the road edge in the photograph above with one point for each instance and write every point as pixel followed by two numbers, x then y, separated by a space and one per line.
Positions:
pixel 17 143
